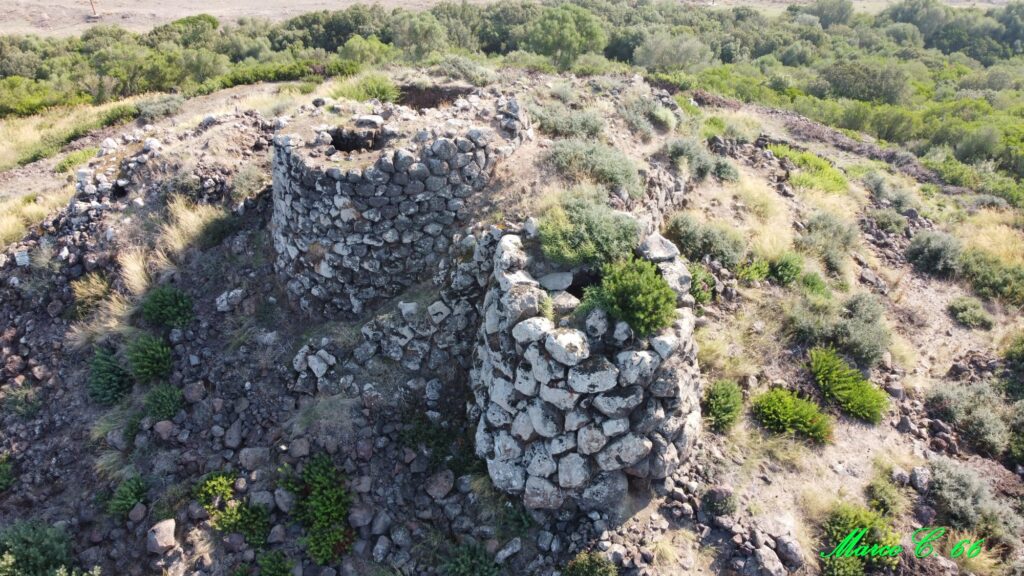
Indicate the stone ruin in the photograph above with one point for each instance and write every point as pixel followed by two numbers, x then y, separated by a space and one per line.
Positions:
pixel 567 409
pixel 366 209
pixel 569 412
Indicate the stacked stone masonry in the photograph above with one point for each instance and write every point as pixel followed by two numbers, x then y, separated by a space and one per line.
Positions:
pixel 567 413
pixel 349 237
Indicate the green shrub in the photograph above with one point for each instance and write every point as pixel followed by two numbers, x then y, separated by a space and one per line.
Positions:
pixel 6 473
pixel 528 61
pixel 367 87
pixel 785 268
pixel 274 564
pixel 1015 448
pixel 725 171
pixel 459 67
pixel 597 162
pixel 936 253
pixel 634 292
pixel 975 410
pixel 590 564
pixel 845 518
pixel 860 332
pixel 167 306
pixel 370 50
pixel 964 501
pixel 969 312
pixel 36 549
pixel 991 278
pixel 814 284
pixel 691 157
pixel 830 239
pixel 252 522
pixel 149 358
pixel 215 489
pixel 846 387
pixel 75 159
pixel 702 283
pixel 163 401
pixel 582 229
pixel 884 192
pixel 814 172
pixel 723 403
pixel 1013 356
pixel 322 504
pixel 885 497
pixel 784 412
pixel 889 220
pixel 596 64
pixel 558 120
pixel 470 560
pixel 696 240
pixel 719 502
pixel 161 107
pixel 986 431
pixel 128 493
pixel 754 269
pixel 108 381
pixel 643 114
pixel 842 566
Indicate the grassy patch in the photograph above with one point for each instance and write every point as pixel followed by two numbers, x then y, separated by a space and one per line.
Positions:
pixel 599 163
pixel 813 171
pixel 582 229
pixel 559 120
pixel 366 87
pixel 75 159
pixel 846 387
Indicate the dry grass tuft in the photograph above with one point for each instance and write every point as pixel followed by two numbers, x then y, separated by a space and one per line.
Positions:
pixel 186 224
pixel 987 563
pixel 111 317
pixel 995 232
pixel 134 271
pixel 665 554
pixel 18 214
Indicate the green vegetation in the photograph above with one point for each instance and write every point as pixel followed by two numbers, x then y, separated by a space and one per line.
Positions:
pixel 7 476
pixel 321 507
pixel 970 313
pixel 936 253
pixel 702 284
pixel 149 358
pixel 842 566
pixel 784 412
pixel 216 495
pixel 582 229
pixel 943 255
pixel 977 410
pixel 596 162
pixel 167 306
pixel 33 549
pixel 885 497
pixel 470 560
pixel 696 240
pixel 814 172
pixel 845 518
pixel 634 292
pixel 855 327
pixel 785 268
pixel 723 403
pixel 274 564
pixel 690 157
pixel 590 564
pixel 846 387
pixel 368 86
pixel 644 115
pixel 163 401
pixel 559 120
pixel 108 381
pixel 129 493
pixel 75 159
pixel 754 269
pixel 889 220
pixel 830 239
pixel 964 500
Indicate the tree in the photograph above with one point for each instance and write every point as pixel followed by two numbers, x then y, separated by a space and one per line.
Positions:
pixel 564 33
pixel 663 51
pixel 832 12
pixel 418 34
pixel 868 81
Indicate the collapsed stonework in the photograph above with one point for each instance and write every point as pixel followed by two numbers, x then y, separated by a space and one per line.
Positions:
pixel 567 412
pixel 350 230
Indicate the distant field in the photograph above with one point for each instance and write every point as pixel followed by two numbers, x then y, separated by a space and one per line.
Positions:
pixel 66 17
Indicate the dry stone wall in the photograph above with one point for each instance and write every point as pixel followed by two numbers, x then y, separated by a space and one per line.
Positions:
pixel 566 413
pixel 349 236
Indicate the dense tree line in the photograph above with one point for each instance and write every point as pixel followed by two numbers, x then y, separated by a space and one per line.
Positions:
pixel 947 82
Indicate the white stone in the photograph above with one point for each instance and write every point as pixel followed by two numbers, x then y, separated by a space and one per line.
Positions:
pixel 542 494
pixel 556 281
pixel 624 452
pixel 532 329
pixel 544 418
pixel 590 439
pixel 572 471
pixel 568 346
pixel 636 366
pixel 593 375
pixel 160 537
pixel 561 398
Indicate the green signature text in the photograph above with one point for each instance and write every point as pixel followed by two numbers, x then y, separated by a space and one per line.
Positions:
pixel 925 540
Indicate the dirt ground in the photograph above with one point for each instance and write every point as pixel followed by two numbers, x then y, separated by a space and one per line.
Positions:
pixel 67 17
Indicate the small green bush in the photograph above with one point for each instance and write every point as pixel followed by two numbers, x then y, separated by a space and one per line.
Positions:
pixel 845 518
pixel 167 306
pixel 75 159
pixel 725 171
pixel 723 403
pixel 462 68
pixel 814 172
pixel 108 381
pixel 470 560
pixel 702 284
pixel 814 284
pixel 6 473
pixel 936 253
pixel 161 107
pixel 582 229
pixel 634 292
pixel 587 160
pixel 215 489
pixel 969 312
pixel 274 564
pixel 643 114
pixel 889 220
pixel 367 87
pixel 964 501
pixel 149 358
pixel 128 493
pixel 785 268
pixel 842 566
pixel 322 509
pixel 991 278
pixel 690 157
pixel 975 410
pixel 716 502
pixel 590 564
pixel 558 120
pixel 885 497
pixel 860 332
pixel 163 401
pixel 1015 448
pixel 252 522
pixel 829 238
pixel 846 387
pixel 36 549
pixel 754 269
pixel 1013 356
pixel 784 412
pixel 696 240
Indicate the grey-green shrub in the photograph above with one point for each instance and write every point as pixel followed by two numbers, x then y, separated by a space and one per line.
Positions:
pixel 785 268
pixel 598 163
pixel 643 114
pixel 936 253
pixel 692 155
pixel 854 327
pixel 725 171
pixel 697 240
pixel 590 564
pixel 889 220
pixel 964 500
pixel 976 411
pixel 582 229
pixel 969 312
pixel 36 549
pixel 702 283
pixel 559 120
pixel 828 238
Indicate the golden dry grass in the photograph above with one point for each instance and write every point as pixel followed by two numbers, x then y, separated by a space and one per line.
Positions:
pixel 996 233
pixel 110 318
pixel 185 226
pixel 19 213
pixel 986 563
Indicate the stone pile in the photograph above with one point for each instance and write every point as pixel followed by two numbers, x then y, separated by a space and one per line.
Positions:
pixel 566 413
pixel 349 235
